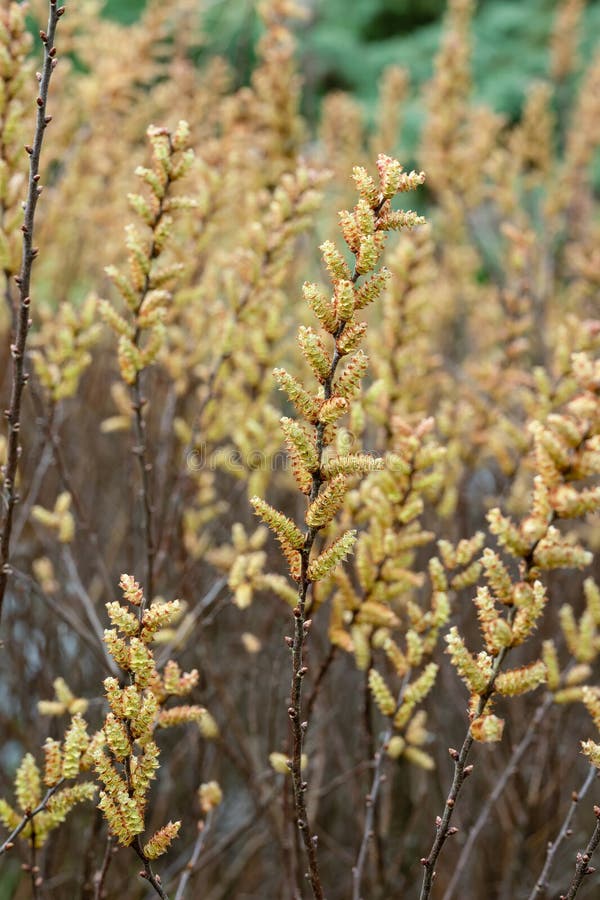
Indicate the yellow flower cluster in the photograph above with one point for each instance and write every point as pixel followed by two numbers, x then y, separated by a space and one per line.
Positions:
pixel 364 232
pixel 136 711
pixel 63 761
pixel 145 288
pixel 60 519
pixel 66 701
pixel 564 452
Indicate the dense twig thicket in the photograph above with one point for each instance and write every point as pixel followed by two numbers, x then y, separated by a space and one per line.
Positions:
pixel 406 703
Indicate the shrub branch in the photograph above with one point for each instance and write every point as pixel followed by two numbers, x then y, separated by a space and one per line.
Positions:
pixel 18 348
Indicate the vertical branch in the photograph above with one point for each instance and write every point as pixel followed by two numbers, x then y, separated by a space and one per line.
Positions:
pixel 583 868
pixel 29 817
pixel 47 420
pixel 363 233
pixel 378 776
pixel 533 558
pixel 301 628
pixel 509 770
pixel 18 348
pixel 148 874
pixel 565 830
pixel 33 867
pixel 461 773
pixel 101 877
pixel 145 468
pixel 138 402
pixel 203 829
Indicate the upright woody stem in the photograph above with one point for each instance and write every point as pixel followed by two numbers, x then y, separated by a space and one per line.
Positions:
pixel 301 627
pixel 461 773
pixel 324 477
pixel 23 320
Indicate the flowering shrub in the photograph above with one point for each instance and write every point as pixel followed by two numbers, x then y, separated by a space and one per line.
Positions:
pixel 421 437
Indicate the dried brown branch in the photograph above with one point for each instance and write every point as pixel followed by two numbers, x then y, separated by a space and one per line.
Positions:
pixel 19 347
pixel 583 868
pixel 565 829
pixel 301 628
pixel 509 770
pixel 101 877
pixel 203 830
pixel 461 773
pixel 29 816
pixel 378 776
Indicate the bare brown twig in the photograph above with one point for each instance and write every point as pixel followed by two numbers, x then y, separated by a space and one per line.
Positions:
pixel 29 816
pixel 565 830
pixel 461 772
pixel 47 420
pixel 379 759
pixel 18 348
pixel 509 771
pixel 583 868
pixel 203 829
pixel 101 878
pixel 301 627
pixel 148 874
pixel 33 867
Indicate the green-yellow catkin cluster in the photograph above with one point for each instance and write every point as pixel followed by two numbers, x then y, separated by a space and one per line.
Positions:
pixel 66 703
pixel 62 347
pixel 123 753
pixel 582 640
pixel 60 519
pixel 409 643
pixel 321 474
pixel 146 286
pixel 244 560
pixel 64 760
pixel 564 456
pixel 126 758
pixel 389 504
pixel 591 698
pixel 210 796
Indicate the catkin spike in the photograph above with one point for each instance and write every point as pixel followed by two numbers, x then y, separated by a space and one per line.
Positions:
pixel 328 560
pixel 284 529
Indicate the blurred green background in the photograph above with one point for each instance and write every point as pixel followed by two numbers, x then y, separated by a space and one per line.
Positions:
pixel 347 43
